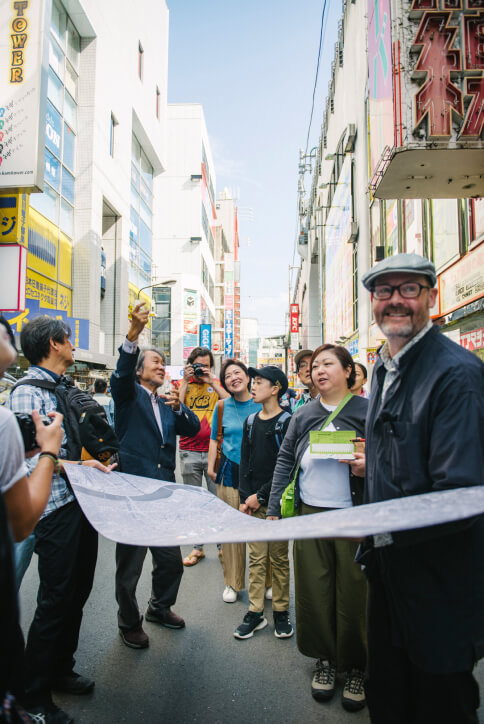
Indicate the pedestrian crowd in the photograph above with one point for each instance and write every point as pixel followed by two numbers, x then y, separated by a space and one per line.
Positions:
pixel 398 618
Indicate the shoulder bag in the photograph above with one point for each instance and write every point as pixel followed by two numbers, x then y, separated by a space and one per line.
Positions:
pixel 220 414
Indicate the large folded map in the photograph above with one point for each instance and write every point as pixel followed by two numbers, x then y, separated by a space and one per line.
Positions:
pixel 142 511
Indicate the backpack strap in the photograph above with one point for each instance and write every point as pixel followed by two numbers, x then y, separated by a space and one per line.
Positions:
pixel 45 384
pixel 279 427
pixel 250 424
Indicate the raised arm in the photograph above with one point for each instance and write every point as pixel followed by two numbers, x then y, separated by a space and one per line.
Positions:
pixel 123 379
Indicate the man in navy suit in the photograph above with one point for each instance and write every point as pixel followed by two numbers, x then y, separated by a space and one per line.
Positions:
pixel 147 425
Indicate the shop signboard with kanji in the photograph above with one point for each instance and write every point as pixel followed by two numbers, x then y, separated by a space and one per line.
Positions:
pixel 435 63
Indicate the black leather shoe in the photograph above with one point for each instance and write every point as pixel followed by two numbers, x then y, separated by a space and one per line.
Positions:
pixel 166 618
pixel 73 683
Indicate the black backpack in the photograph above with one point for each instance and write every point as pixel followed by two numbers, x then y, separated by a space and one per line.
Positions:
pixel 85 422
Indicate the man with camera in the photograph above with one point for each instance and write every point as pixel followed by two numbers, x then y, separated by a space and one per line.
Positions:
pixel 200 392
pixel 22 502
pixel 64 540
pixel 147 424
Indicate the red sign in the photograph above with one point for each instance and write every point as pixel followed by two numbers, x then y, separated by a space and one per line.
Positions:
pixel 294 318
pixel 472 340
pixel 215 348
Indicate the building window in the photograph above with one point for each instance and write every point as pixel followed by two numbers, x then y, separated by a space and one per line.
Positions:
pixel 140 234
pixel 157 107
pixel 112 126
pixel 161 323
pixel 140 61
pixel 57 201
pixel 444 231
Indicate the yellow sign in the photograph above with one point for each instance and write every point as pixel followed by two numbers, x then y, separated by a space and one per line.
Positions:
pixel 136 296
pixel 13 218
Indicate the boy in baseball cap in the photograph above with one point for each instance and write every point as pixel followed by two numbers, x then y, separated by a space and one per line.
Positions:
pixel 262 437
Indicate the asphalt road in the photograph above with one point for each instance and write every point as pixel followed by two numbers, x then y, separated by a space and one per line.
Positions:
pixel 199 674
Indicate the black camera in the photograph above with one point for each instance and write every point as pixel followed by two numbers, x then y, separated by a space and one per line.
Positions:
pixel 198 369
pixel 27 429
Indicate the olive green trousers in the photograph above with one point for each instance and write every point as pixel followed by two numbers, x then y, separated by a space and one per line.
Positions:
pixel 331 593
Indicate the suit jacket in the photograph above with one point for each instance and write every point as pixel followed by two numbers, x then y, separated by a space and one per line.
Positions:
pixel 143 449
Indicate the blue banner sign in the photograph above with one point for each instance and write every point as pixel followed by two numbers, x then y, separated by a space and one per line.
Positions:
pixel 229 332
pixel 206 335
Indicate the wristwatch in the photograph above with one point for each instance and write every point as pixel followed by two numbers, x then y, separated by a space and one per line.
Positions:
pixel 261 500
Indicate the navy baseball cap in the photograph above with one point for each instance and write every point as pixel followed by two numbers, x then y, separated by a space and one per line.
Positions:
pixel 273 374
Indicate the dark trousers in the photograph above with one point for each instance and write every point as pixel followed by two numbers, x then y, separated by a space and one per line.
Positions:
pixel 66 545
pixel 166 578
pixel 330 592
pixel 397 691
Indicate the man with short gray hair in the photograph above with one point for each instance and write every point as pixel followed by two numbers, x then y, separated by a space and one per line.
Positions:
pixel 147 424
pixel 424 433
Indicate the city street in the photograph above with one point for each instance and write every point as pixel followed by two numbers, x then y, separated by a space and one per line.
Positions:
pixel 199 674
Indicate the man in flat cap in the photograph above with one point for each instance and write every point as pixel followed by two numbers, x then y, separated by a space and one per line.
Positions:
pixel 424 433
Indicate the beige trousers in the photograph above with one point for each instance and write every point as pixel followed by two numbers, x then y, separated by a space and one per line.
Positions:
pixel 234 554
pixel 260 554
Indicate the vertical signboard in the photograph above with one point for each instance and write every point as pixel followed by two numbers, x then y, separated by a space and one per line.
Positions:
pixel 229 332
pixel 338 296
pixel 206 336
pixel 190 324
pixel 23 92
pixel 380 86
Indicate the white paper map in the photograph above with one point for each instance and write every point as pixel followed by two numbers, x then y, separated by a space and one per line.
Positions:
pixel 142 511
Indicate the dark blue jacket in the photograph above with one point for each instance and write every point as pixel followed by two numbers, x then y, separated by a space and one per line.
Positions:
pixel 143 450
pixel 429 436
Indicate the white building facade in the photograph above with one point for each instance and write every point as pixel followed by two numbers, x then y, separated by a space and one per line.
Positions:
pixel 184 238
pixel 90 238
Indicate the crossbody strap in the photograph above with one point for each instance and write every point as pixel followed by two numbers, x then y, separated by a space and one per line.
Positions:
pixel 327 422
pixel 220 414
pixel 336 412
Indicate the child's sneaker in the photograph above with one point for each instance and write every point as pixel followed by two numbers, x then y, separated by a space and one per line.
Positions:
pixel 282 625
pixel 252 622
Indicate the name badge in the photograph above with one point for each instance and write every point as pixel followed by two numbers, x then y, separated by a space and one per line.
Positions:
pixel 332 444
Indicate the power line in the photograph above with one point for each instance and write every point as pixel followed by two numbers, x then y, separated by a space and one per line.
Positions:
pixel 317 73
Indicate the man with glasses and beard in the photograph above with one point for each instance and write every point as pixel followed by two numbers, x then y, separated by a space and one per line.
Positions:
pixel 424 433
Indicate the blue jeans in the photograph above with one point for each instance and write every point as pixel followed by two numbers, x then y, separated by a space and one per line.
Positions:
pixel 23 555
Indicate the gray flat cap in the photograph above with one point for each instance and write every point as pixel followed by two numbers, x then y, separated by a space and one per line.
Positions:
pixel 411 263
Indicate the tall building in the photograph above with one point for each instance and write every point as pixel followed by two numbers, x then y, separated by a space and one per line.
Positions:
pixel 90 232
pixel 184 239
pixel 387 177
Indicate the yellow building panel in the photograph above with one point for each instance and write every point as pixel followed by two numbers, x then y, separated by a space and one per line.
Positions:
pixel 65 260
pixel 14 210
pixel 43 245
pixel 64 299
pixel 42 289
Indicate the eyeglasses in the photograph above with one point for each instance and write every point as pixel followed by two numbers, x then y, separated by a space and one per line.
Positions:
pixel 407 290
pixel 303 365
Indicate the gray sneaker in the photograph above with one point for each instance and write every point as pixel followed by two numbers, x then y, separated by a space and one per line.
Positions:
pixel 354 691
pixel 324 680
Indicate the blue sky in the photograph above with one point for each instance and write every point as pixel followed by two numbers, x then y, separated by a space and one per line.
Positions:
pixel 252 66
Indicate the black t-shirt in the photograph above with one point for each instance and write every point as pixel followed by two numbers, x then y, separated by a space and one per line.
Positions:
pixel 258 455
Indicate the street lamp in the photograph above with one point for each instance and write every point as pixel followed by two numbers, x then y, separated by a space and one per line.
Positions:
pixel 156 284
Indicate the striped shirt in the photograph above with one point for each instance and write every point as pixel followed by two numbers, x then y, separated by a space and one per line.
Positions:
pixel 25 399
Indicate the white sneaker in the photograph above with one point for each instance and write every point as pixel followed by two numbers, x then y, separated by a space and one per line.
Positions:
pixel 268 594
pixel 229 595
